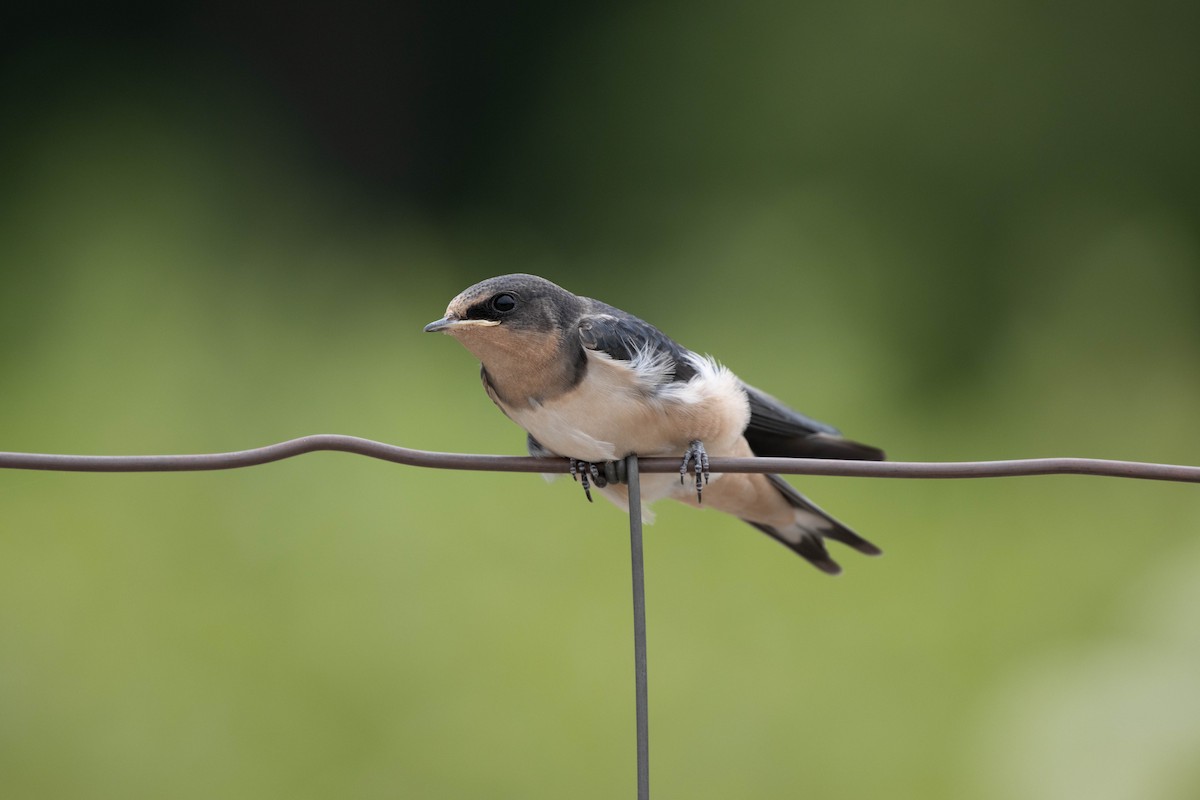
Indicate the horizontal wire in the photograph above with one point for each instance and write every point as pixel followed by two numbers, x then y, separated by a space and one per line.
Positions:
pixel 492 463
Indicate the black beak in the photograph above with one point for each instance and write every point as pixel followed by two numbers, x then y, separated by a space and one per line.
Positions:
pixel 440 325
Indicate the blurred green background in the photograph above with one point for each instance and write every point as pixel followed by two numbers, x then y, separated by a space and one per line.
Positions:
pixel 957 231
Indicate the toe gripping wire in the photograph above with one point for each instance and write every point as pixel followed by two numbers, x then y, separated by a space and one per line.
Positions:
pixel 601 474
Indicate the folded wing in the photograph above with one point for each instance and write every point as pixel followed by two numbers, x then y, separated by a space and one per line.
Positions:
pixel 776 430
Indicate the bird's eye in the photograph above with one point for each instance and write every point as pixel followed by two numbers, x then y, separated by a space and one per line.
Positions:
pixel 503 303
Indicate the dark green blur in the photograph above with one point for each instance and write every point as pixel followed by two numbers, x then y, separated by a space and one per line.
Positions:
pixel 955 231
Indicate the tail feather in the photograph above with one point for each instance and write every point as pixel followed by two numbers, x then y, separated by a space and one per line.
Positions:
pixel 808 546
pixel 813 526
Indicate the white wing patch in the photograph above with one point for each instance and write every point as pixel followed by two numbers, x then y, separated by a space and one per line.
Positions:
pixel 711 380
pixel 649 368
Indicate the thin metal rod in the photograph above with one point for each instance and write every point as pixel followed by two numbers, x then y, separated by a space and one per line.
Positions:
pixel 639 628
pixel 470 461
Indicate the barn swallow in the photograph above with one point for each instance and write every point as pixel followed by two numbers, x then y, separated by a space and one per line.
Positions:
pixel 594 384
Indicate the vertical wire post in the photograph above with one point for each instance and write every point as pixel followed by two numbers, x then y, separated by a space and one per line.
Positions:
pixel 639 627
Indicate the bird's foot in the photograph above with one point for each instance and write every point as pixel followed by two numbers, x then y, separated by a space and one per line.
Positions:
pixel 697 456
pixel 581 470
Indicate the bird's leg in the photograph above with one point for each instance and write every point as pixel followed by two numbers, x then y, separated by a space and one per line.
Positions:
pixel 697 456
pixel 580 470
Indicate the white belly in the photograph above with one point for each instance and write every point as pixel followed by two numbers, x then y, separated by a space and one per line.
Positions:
pixel 613 413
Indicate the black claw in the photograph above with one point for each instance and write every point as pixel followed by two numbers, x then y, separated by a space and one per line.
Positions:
pixel 587 475
pixel 697 456
pixel 579 473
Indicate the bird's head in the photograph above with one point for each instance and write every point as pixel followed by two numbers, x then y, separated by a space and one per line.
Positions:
pixel 510 316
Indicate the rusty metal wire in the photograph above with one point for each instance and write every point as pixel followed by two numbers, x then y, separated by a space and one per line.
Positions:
pixel 629 471
pixel 469 461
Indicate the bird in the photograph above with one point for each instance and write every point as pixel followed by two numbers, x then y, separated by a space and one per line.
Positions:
pixel 593 384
